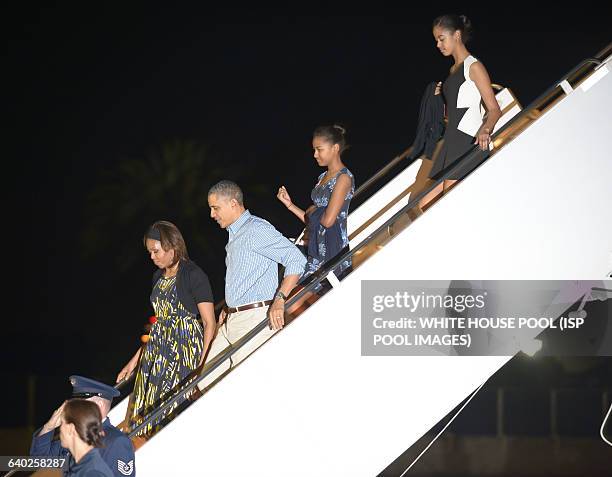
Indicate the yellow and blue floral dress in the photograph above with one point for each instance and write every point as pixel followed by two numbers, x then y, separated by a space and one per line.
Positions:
pixel 171 354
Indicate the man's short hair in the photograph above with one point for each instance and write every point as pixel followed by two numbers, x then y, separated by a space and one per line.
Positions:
pixel 227 189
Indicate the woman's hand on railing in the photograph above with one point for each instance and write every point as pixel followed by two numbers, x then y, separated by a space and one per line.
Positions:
pixel 483 138
pixel 128 369
pixel 284 196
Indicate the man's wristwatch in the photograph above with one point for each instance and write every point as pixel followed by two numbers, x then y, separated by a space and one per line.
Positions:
pixel 281 295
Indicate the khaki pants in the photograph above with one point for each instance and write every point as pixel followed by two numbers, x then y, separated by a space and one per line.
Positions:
pixel 235 327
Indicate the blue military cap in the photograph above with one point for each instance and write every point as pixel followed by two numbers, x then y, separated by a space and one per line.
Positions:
pixel 85 388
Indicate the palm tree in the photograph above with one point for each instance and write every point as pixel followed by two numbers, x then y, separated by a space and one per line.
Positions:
pixel 170 183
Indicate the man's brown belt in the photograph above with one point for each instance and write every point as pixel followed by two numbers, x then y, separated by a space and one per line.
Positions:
pixel 250 306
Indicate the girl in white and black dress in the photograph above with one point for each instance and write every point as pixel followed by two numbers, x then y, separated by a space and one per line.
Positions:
pixel 467 86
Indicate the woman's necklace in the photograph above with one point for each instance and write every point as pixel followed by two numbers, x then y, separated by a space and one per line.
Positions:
pixel 171 272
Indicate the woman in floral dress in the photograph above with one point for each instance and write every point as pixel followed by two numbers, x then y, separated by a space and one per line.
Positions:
pixel 177 342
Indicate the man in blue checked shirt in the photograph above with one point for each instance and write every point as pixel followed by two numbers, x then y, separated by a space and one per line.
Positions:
pixel 252 294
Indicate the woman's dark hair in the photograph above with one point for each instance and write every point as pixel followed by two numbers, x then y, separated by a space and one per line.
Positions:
pixel 170 237
pixel 87 420
pixel 454 23
pixel 334 134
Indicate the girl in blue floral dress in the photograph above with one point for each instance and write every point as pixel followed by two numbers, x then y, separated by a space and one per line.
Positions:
pixel 331 197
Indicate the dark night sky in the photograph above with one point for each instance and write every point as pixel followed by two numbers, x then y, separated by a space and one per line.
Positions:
pixel 93 87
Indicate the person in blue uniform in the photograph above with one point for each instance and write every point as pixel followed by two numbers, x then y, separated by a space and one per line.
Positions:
pixel 117 450
pixel 81 433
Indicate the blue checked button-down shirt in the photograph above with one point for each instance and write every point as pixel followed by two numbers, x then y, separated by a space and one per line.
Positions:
pixel 254 249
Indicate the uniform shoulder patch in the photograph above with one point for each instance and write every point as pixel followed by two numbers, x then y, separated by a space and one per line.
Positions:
pixel 125 469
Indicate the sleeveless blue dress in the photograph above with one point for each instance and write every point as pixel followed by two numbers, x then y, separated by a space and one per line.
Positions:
pixel 320 237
